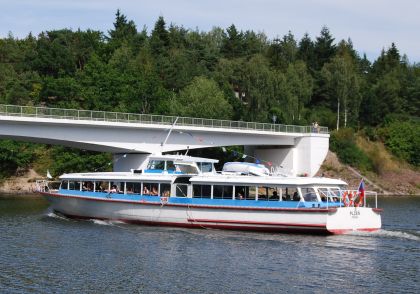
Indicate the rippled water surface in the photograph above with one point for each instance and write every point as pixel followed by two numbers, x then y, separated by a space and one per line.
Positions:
pixel 41 252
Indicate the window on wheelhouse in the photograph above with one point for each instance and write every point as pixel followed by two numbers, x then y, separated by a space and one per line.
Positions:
pixel 201 191
pixel 156 165
pixel 170 167
pixel 309 194
pixel 205 167
pixel 222 192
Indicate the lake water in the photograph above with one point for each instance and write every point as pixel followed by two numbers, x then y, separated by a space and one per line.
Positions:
pixel 41 252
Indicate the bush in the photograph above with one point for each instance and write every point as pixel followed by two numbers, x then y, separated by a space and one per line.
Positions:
pixel 343 143
pixel 14 155
pixel 403 139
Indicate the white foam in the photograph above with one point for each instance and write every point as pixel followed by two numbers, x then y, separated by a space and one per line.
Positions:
pixel 102 222
pixel 389 234
pixel 57 216
pixel 398 234
pixel 106 222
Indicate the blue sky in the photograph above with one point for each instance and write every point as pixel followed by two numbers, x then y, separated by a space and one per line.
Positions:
pixel 371 24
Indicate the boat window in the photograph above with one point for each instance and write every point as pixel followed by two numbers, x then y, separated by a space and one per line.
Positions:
pixel 117 187
pixel 181 190
pixel 291 194
pixel 165 190
pixel 133 188
pixel 170 167
pixel 262 193
pixel 245 192
pixel 205 167
pixel 309 194
pixel 201 191
pixel 64 185
pixel 252 193
pixel 156 165
pixel 222 192
pixel 87 186
pixel 74 186
pixel 102 186
pixel 273 194
pixel 329 194
pixel 151 189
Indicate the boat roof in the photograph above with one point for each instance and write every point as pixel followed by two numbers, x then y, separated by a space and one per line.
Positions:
pixel 266 180
pixel 207 179
pixel 118 176
pixel 178 157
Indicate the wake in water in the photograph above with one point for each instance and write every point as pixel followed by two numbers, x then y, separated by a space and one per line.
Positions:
pixel 95 221
pixel 389 234
pixel 105 222
pixel 57 216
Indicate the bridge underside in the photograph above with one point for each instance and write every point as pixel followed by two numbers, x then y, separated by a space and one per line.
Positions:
pixel 297 153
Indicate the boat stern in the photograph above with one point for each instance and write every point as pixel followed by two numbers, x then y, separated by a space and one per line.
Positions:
pixel 350 219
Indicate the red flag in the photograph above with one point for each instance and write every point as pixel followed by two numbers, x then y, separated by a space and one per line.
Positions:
pixel 361 192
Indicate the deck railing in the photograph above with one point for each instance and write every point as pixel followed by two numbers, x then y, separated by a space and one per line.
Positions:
pixel 91 115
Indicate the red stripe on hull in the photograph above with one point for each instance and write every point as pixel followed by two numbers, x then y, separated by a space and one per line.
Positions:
pixel 256 223
pixel 284 229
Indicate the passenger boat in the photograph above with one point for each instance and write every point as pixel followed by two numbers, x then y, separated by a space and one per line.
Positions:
pixel 185 191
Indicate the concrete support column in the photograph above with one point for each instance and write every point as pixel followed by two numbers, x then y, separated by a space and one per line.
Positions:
pixel 305 157
pixel 311 152
pixel 126 162
pixel 281 158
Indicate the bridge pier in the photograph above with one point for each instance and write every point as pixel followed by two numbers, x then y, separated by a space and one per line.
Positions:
pixel 305 157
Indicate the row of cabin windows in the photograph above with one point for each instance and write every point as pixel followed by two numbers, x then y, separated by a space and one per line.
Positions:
pixel 169 166
pixel 248 192
pixel 201 191
pixel 144 188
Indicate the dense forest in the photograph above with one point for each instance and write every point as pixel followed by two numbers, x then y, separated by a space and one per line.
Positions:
pixel 222 73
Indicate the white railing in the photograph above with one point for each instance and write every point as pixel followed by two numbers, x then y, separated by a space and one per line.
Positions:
pixel 46 186
pixel 352 198
pixel 91 115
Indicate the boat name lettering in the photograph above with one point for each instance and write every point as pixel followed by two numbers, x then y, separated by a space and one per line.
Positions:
pixel 354 213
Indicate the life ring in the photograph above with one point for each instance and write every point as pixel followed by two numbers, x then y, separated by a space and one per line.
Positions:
pixel 348 198
pixel 359 203
pixel 164 200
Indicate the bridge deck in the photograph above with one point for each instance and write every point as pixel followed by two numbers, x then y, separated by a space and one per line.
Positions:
pixel 74 114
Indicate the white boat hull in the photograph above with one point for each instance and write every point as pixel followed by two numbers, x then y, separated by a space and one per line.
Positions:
pixel 315 220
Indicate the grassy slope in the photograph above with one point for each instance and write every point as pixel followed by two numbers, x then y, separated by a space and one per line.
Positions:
pixel 390 176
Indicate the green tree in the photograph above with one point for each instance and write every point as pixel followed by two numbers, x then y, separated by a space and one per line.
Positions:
pixel 300 85
pixel 232 44
pixel 343 83
pixel 324 49
pixel 202 98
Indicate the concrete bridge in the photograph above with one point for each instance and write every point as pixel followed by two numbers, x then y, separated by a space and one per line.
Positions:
pixel 298 149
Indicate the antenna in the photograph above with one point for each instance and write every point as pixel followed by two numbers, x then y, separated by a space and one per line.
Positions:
pixel 169 133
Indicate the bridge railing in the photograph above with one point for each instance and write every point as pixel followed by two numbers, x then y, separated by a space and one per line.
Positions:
pixel 92 115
